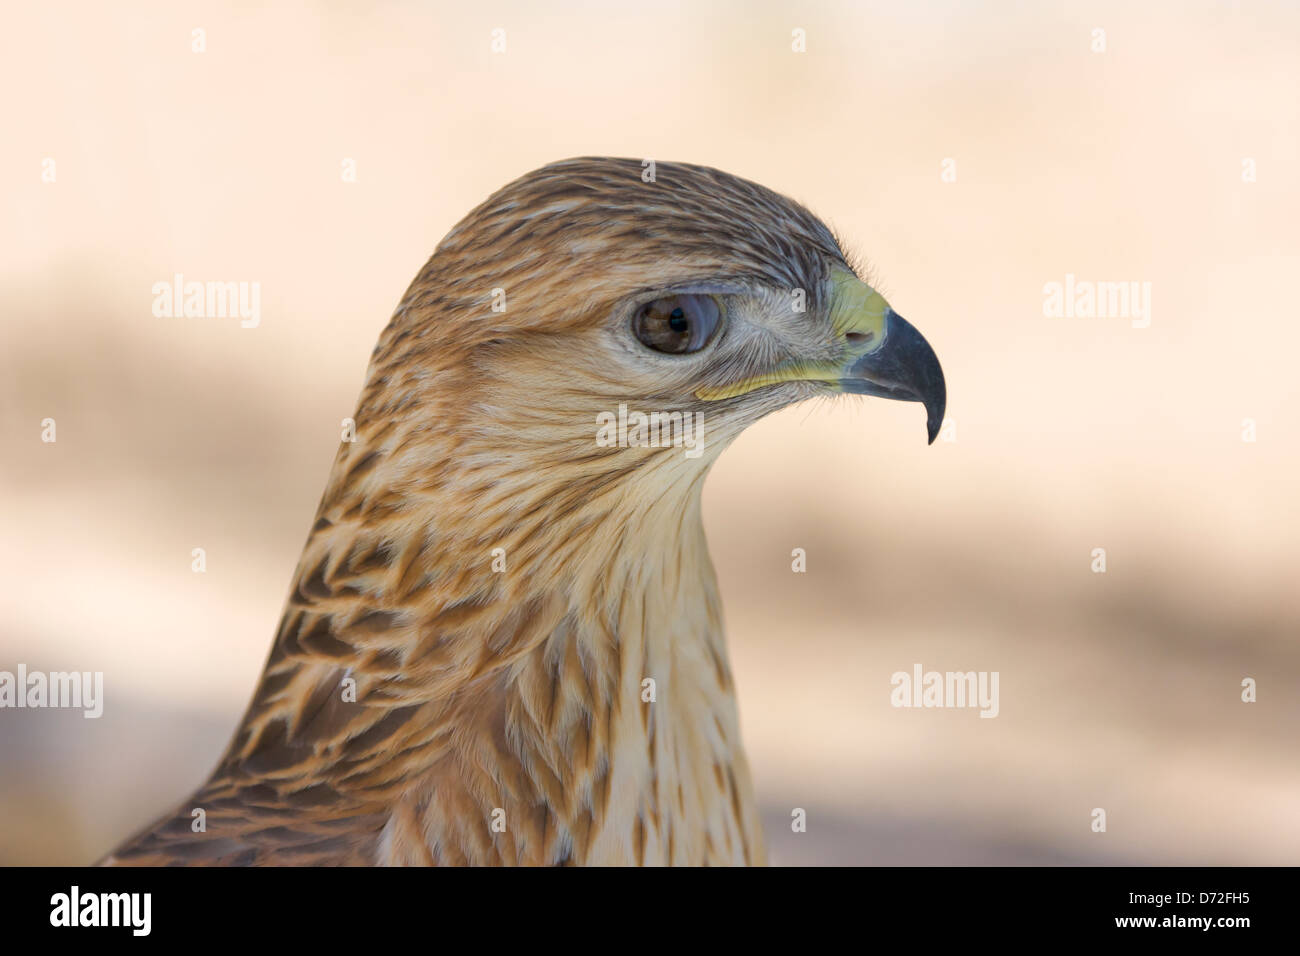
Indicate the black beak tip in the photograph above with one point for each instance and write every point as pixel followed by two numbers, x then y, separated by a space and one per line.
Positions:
pixel 935 405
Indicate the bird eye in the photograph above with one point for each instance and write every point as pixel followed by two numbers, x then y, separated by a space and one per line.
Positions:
pixel 678 323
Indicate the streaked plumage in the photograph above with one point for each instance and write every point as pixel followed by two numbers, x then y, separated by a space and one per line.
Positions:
pixel 480 690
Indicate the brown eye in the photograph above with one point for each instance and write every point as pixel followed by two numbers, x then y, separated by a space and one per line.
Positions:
pixel 678 323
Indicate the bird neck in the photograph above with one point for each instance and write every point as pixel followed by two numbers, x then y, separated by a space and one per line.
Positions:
pixel 538 667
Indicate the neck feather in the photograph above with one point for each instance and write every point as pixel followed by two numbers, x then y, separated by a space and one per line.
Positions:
pixel 510 662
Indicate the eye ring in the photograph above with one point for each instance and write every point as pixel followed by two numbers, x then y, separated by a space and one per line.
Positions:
pixel 677 324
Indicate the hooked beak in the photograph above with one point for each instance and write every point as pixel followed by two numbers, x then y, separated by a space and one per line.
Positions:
pixel 885 355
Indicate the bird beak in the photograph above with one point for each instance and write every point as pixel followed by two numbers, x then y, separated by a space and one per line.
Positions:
pixel 883 354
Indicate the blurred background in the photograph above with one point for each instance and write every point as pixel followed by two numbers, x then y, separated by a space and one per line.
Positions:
pixel 1119 690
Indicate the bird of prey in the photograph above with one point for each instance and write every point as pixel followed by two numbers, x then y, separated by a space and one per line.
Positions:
pixel 503 642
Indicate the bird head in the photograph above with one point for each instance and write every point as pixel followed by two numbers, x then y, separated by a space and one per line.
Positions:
pixel 597 316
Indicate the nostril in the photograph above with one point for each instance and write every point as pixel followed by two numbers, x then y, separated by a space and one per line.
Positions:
pixel 859 338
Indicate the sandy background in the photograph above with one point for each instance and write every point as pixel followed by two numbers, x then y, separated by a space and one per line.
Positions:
pixel 1119 691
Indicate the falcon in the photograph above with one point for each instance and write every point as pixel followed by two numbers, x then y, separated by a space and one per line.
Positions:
pixel 503 642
